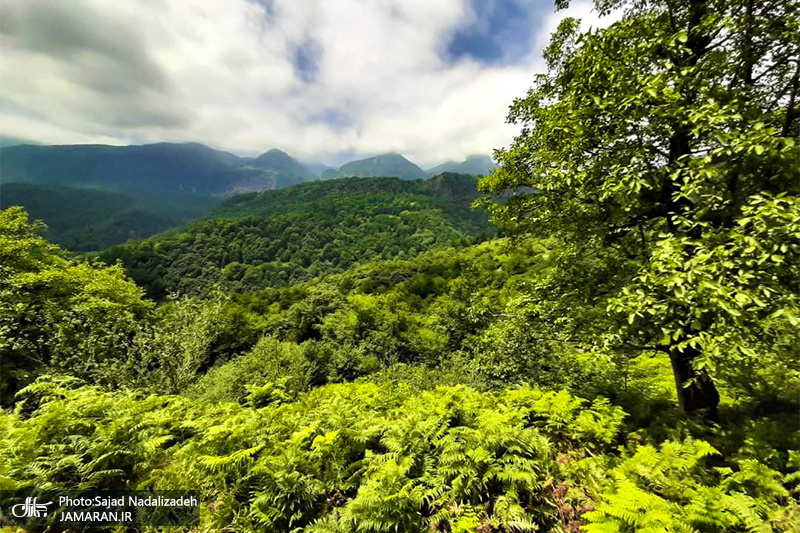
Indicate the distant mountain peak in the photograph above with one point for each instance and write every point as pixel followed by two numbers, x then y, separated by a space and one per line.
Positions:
pixel 275 159
pixel 389 164
pixel 477 164
pixel 165 167
pixel 274 152
pixel 479 157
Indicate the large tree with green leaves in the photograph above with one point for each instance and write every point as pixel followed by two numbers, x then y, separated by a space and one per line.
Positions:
pixel 660 154
pixel 57 316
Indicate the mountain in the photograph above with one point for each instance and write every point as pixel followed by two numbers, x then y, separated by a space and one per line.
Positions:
pixel 84 219
pixel 317 169
pixel 384 165
pixel 273 238
pixel 94 196
pixel 278 160
pixel 13 141
pixel 273 168
pixel 479 165
pixel 162 167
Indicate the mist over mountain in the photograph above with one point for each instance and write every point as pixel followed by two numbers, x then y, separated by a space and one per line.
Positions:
pixel 195 168
pixel 277 160
pixel 394 165
pixel 479 165
pixel 13 141
pixel 317 169
pixel 271 170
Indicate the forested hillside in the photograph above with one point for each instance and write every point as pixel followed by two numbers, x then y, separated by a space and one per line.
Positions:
pixel 277 237
pixel 94 196
pixel 380 165
pixel 162 167
pixel 369 356
pixel 88 219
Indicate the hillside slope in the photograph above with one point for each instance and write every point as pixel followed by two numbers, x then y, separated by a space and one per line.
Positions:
pixel 84 219
pixel 162 167
pixel 273 238
pixel 394 165
pixel 480 165
pixel 95 196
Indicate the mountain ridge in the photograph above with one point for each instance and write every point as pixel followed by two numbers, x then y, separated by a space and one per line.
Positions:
pixel 197 168
pixel 157 167
pixel 151 188
pixel 383 165
pixel 476 164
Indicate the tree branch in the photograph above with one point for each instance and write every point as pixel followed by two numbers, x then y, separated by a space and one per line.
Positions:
pixel 787 125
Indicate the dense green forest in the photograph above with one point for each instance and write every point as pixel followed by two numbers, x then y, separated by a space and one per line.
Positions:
pixel 366 355
pixel 278 237
pixel 378 395
pixel 88 219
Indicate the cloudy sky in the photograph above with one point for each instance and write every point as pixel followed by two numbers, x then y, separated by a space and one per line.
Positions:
pixel 321 79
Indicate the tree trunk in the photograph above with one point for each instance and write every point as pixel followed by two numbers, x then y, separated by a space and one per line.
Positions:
pixel 701 394
pixel 787 125
pixel 696 391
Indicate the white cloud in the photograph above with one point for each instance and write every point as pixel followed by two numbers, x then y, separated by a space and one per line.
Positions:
pixel 222 73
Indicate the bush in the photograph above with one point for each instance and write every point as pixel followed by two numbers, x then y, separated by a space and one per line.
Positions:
pixel 269 362
pixel 672 488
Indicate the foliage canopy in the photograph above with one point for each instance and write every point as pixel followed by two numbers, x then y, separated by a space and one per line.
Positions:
pixel 661 153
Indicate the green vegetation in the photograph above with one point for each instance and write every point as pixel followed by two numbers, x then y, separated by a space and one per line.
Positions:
pixel 342 458
pixel 664 164
pixel 278 237
pixel 274 437
pixel 57 315
pixel 380 165
pixel 85 219
pixel 624 359
pixel 163 167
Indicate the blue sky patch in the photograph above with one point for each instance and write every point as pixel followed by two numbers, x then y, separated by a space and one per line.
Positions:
pixel 502 33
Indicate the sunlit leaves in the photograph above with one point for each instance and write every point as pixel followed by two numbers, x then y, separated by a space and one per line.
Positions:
pixel 643 155
pixel 357 457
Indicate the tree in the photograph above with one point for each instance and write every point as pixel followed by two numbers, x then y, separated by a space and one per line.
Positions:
pixel 58 316
pixel 660 155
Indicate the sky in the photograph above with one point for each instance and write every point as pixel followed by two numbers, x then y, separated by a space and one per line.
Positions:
pixel 324 80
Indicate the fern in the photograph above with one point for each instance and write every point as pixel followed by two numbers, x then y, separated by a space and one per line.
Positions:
pixel 665 489
pixel 364 458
